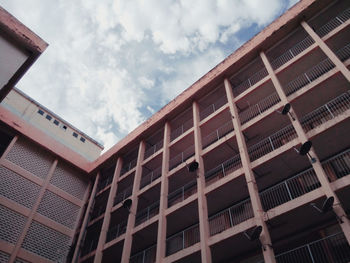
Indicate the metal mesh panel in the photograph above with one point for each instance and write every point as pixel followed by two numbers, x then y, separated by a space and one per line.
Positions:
pixel 19 260
pixel 46 242
pixel 4 257
pixel 31 158
pixel 18 188
pixel 69 180
pixel 58 209
pixel 11 224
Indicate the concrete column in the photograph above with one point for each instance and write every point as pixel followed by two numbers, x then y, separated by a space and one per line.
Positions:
pixel 320 173
pixel 85 220
pixel 32 213
pixel 265 238
pixel 329 53
pixel 163 203
pixel 107 217
pixel 133 209
pixel 202 199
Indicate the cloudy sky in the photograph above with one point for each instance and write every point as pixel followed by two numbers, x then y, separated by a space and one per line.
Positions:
pixel 112 63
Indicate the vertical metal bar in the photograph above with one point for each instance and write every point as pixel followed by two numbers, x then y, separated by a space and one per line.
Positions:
pixel 249 82
pixel 307 77
pixel 290 51
pixel 330 112
pixel 308 248
pixel 273 148
pixel 290 195
pixel 223 169
pixel 217 134
pixel 258 108
pixel 229 212
pixel 183 239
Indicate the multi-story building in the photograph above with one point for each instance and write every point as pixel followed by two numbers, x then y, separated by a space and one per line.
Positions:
pixel 223 173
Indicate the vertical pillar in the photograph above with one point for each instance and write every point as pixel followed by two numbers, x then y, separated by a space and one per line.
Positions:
pixel 107 217
pixel 265 238
pixel 202 200
pixel 32 213
pixel 329 53
pixel 133 209
pixel 163 204
pixel 85 220
pixel 320 173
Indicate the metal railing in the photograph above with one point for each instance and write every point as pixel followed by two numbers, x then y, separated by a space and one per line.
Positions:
pixel 120 197
pixel 223 169
pixel 182 193
pixel 217 134
pixel 150 177
pixel 97 211
pixel 146 256
pixel 182 240
pixel 333 248
pixel 104 183
pixel 333 23
pixel 147 213
pixel 289 189
pixel 259 107
pixel 251 81
pixel 116 231
pixel 272 142
pixel 181 129
pixel 89 246
pixel 181 157
pixel 337 166
pixel 128 166
pixel 153 149
pixel 213 107
pixel 326 112
pixel 230 217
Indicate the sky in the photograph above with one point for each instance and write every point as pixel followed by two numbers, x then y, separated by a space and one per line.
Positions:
pixel 111 64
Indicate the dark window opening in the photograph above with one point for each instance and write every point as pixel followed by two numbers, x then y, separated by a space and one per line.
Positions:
pixel 5 140
pixel 75 134
pixel 56 122
pixel 82 139
pixel 64 127
pixel 40 112
pixel 48 117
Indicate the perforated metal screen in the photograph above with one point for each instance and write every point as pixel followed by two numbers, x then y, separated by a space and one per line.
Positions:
pixel 46 242
pixel 17 188
pixel 69 180
pixel 19 260
pixel 4 258
pixel 11 224
pixel 58 209
pixel 30 157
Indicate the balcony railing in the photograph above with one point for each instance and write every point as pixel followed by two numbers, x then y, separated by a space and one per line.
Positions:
pixel 120 197
pixel 150 177
pixel 182 157
pixel 259 108
pixel 217 134
pixel 289 189
pixel 251 81
pixel 182 240
pixel 333 23
pixel 338 166
pixel 116 231
pixel 213 107
pixel 223 169
pixel 182 193
pixel 128 166
pixel 146 256
pixel 147 213
pixel 97 211
pixel 326 112
pixel 104 182
pixel 333 248
pixel 317 71
pixel 153 149
pixel 181 129
pixel 89 246
pixel 230 217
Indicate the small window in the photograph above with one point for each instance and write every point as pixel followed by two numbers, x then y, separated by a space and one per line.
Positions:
pixel 56 122
pixel 48 117
pixel 64 127
pixel 75 134
pixel 82 139
pixel 40 112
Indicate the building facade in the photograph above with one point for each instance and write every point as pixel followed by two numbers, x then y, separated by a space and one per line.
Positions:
pixel 249 164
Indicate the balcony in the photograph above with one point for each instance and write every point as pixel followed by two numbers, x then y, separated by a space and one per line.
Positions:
pixel 116 231
pixel 182 193
pixel 216 135
pixel 333 23
pixel 181 157
pixel 213 107
pixel 150 177
pixel 181 124
pixel 120 197
pixel 147 213
pixel 128 167
pixel 154 143
pixel 89 246
pixel 146 256
pixel 182 240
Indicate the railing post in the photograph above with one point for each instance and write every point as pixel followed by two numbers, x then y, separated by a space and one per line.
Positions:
pixel 249 82
pixel 290 195
pixel 330 112
pixel 312 258
pixel 307 77
pixel 290 51
pixel 229 213
pixel 183 239
pixel 217 134
pixel 183 193
pixel 258 108
pixel 223 169
pixel 273 148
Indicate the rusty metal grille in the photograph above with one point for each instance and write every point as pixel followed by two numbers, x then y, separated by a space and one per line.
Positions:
pixel 17 188
pixel 46 242
pixel 11 224
pixel 69 180
pixel 58 209
pixel 31 158
pixel 4 257
pixel 19 260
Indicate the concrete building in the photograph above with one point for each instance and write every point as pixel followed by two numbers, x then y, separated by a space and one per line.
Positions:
pixel 257 194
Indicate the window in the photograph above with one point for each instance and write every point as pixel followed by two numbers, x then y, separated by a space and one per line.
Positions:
pixel 40 112
pixel 82 139
pixel 64 127
pixel 48 117
pixel 75 134
pixel 56 122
